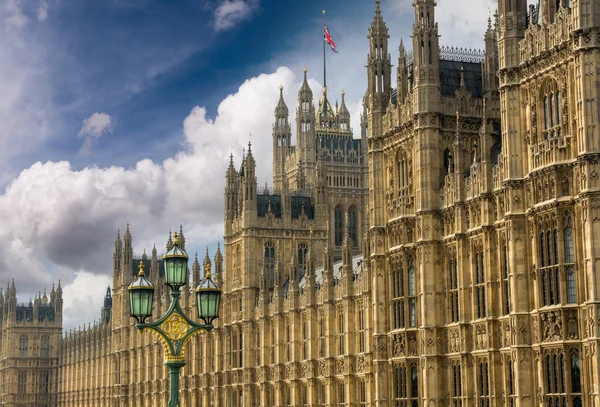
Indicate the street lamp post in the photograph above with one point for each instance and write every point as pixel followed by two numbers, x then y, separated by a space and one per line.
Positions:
pixel 174 328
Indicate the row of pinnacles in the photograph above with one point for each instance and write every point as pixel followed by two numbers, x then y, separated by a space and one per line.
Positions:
pixel 42 309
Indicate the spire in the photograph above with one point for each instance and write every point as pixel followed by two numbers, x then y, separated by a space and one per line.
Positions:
pixel 181 237
pixel 206 260
pixel 281 110
pixel 305 93
pixel 169 241
pixel 378 62
pixel 378 27
pixel 196 269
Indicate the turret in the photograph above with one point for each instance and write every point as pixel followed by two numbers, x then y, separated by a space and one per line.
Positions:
pixel 58 306
pixel 426 57
pixel 343 115
pixel 512 21
pixel 249 181
pixel 196 271
pixel 378 62
pixel 127 257
pixel 490 62
pixel 402 74
pixel 282 139
pixel 117 254
pixel 305 126
pixel 206 263
pixel 231 191
pixel 107 306
pixel 219 265
pixel 181 237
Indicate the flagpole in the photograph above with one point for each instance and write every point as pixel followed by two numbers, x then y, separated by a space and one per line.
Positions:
pixel 324 60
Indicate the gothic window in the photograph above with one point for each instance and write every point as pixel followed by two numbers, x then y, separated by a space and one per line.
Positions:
pixel 322 394
pixel 412 294
pixel 288 340
pixel 555 378
pixel 362 393
pixel 304 339
pixel 302 252
pixel 45 348
pixel 548 260
pixel 456 386
pixel 361 330
pixel 23 346
pixel 505 279
pixel 321 336
pixel 340 334
pixel 483 385
pixel 273 342
pixel 237 345
pixel 453 290
pixel 571 291
pixel 269 261
pixel 402 169
pixel 400 396
pixel 414 385
pixel 480 285
pixel 341 393
pixel 339 225
pixel 44 382
pixel 568 238
pixel 22 383
pixel 510 383
pixel 352 226
pixel 575 373
pixel 552 109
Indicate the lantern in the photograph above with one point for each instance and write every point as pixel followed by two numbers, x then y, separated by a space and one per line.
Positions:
pixel 141 296
pixel 208 298
pixel 176 265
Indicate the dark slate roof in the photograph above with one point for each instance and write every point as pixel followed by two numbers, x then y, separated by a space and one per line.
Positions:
pixel 298 204
pixel 450 77
pixel 25 313
pixel 333 142
pixel 135 266
pixel 262 203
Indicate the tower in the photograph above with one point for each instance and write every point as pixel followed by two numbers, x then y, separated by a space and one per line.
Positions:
pixel 305 130
pixel 426 57
pixel 282 139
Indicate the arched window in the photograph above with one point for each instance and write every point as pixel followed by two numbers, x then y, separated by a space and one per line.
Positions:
pixel 412 294
pixel 302 252
pixel 480 284
pixel 575 373
pixel 453 290
pixel 269 261
pixel 23 346
pixel 568 238
pixel 339 225
pixel 414 383
pixel 484 387
pixel 552 110
pixel 397 295
pixel 45 348
pixel 352 226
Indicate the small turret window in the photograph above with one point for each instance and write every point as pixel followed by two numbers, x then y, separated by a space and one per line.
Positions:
pixel 552 109
pixel 23 346
pixel 45 348
pixel 269 261
pixel 302 253
pixel 352 226
pixel 339 225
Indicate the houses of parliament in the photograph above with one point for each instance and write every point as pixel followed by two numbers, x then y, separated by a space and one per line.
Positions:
pixel 448 257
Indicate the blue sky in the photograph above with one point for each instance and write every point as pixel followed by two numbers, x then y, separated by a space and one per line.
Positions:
pixel 123 111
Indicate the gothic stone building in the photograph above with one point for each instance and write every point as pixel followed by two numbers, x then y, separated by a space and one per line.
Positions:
pixel 448 257
pixel 30 344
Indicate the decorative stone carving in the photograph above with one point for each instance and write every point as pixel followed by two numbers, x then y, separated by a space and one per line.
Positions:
pixel 552 326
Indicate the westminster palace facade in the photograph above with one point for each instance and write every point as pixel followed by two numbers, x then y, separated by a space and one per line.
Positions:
pixel 446 257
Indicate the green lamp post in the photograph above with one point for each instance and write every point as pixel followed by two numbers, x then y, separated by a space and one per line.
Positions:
pixel 174 328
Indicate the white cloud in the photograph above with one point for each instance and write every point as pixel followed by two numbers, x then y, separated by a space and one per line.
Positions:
pixel 13 15
pixel 42 13
pixel 93 128
pixel 231 12
pixel 83 299
pixel 54 215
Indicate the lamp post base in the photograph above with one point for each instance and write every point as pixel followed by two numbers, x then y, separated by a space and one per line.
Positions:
pixel 174 368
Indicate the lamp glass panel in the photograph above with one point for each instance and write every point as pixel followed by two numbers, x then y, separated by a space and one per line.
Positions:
pixel 176 271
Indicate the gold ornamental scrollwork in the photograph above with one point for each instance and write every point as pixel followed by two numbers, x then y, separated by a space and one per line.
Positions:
pixel 175 327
